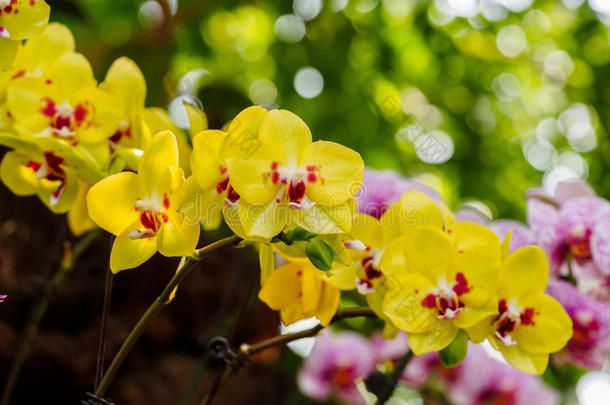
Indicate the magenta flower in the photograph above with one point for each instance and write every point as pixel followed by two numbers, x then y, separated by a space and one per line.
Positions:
pixel 382 188
pixel 481 380
pixel 572 225
pixel 3 297
pixel 334 363
pixel 590 343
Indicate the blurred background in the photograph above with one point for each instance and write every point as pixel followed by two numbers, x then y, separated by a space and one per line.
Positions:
pixel 513 93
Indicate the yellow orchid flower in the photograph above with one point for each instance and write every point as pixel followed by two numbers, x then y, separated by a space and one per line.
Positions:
pixel 44 174
pixel 66 106
pixel 35 58
pixel 125 82
pixel 19 20
pixel 298 291
pixel 285 179
pixel 442 281
pixel 143 209
pixel 530 324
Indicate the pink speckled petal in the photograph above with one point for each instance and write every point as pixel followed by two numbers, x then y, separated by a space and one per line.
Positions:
pixel 543 221
pixel 584 211
pixel 571 189
pixel 600 244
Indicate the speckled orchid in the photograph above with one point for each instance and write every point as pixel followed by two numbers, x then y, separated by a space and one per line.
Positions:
pixel 529 324
pixel 590 342
pixel 443 282
pixel 285 179
pixel 19 20
pixel 65 106
pixel 143 209
pixel 45 174
pixel 574 229
pixel 336 361
pixel 298 290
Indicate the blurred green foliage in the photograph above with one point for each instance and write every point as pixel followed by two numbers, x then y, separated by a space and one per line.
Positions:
pixel 521 96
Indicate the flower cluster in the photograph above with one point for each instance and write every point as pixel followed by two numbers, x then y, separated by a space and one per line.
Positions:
pixel 426 274
pixel 571 226
pixel 95 151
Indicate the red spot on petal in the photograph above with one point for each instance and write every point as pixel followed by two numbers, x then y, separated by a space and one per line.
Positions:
pixel 429 301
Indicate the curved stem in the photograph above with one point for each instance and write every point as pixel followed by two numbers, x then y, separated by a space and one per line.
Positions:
pixel 283 339
pixel 66 266
pixel 249 350
pixel 184 268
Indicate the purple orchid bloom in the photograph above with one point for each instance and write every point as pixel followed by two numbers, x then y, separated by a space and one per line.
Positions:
pixel 590 343
pixel 572 226
pixel 481 380
pixel 382 188
pixel 336 361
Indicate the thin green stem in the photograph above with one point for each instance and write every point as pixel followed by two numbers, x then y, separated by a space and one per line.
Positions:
pixel 66 266
pixel 184 268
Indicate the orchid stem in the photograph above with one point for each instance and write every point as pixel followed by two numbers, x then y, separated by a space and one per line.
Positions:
pixel 249 350
pixel 101 348
pixel 66 266
pixel 184 268
pixel 283 339
pixel 399 368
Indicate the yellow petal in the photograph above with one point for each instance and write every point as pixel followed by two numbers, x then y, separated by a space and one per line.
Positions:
pixel 198 121
pixel 393 261
pixel 72 73
pixel 311 290
pixel 530 363
pixel 431 253
pixel 337 171
pixel 128 253
pixel 440 337
pixel 126 82
pixel 448 216
pixel 31 20
pixel 111 202
pixel 43 50
pixel 15 174
pixel 178 239
pixel 414 209
pixel 266 261
pixel 403 305
pixel 324 220
pixel 525 273
pixel 161 153
pixel 251 177
pixel 283 288
pixel 78 216
pixel 244 129
pixel 262 220
pixel 481 272
pixel 48 190
pixel 551 328
pixel 205 160
pixel 25 99
pixel 482 330
pixel 328 304
pixel 367 229
pixel 341 277
pixel 8 51
pixel 470 237
pixel 103 115
pixel 471 316
pixel 506 244
pixel 286 130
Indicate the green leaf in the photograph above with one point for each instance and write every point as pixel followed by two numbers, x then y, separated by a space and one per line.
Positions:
pixel 320 254
pixel 405 396
pixel 452 355
pixel 297 234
